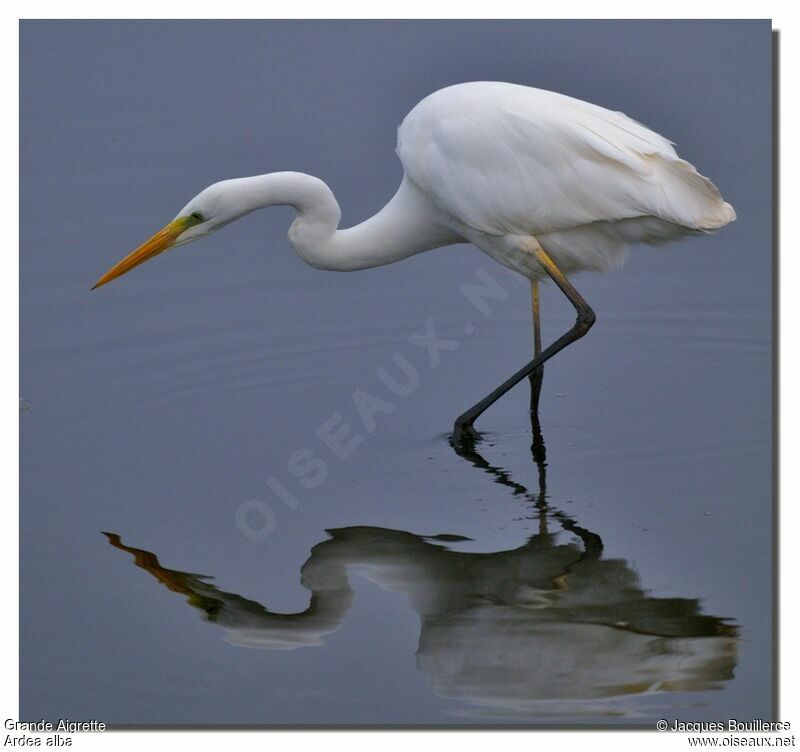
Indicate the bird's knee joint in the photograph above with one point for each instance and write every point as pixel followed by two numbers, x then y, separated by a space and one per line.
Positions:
pixel 586 319
pixel 525 243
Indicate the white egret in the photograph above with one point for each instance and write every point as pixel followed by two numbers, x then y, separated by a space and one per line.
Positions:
pixel 543 183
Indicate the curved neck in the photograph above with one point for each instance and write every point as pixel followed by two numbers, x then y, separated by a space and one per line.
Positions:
pixel 407 225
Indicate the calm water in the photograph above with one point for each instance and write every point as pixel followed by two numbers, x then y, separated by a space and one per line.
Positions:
pixel 195 551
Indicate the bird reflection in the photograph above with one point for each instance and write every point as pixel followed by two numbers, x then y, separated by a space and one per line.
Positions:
pixel 550 627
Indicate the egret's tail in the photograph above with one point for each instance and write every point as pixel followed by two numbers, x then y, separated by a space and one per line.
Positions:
pixel 689 198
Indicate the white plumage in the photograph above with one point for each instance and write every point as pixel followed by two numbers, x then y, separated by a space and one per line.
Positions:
pixel 503 159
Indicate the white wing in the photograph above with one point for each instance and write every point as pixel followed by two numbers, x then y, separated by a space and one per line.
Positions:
pixel 502 158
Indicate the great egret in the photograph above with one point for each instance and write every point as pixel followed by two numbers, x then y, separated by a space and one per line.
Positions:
pixel 543 183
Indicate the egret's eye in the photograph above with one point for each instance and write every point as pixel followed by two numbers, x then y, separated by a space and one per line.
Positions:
pixel 197 215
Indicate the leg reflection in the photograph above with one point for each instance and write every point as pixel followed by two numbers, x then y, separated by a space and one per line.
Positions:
pixel 468 450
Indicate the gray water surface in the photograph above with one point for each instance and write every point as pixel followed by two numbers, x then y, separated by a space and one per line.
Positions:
pixel 239 504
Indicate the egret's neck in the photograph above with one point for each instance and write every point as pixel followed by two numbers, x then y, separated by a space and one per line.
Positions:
pixel 318 213
pixel 405 226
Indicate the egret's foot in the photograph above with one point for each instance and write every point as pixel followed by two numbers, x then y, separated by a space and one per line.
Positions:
pixel 464 433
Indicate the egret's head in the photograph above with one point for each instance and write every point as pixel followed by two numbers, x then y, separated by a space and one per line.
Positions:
pixel 205 213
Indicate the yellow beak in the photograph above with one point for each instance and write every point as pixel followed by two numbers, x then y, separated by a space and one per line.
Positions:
pixel 159 243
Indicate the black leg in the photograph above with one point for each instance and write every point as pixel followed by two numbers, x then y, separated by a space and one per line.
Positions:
pixel 463 425
pixel 538 451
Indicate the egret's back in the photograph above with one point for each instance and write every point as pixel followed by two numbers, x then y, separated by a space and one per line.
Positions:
pixel 506 159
